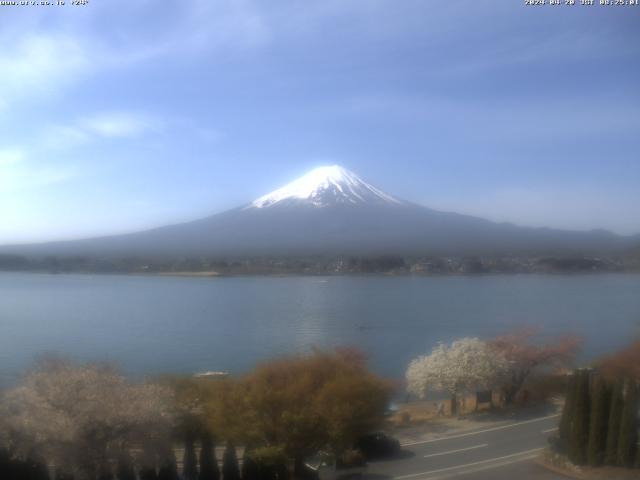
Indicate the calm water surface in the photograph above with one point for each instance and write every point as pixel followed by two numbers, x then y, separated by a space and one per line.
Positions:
pixel 154 324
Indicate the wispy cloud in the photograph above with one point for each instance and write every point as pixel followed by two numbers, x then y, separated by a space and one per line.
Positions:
pixel 38 65
pixel 10 156
pixel 124 125
pixel 120 124
pixel 42 61
pixel 18 171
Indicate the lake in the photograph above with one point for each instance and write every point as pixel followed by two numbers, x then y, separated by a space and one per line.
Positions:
pixel 151 324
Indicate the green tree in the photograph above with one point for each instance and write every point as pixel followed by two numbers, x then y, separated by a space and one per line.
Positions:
pixel 148 473
pixel 189 460
pixel 106 475
pixel 168 469
pixel 579 430
pixel 567 413
pixel 208 463
pixel 230 469
pixel 627 443
pixel 62 475
pixel 615 418
pixel 598 423
pixel 250 468
pixel 271 463
pixel 6 464
pixel 125 470
pixel 37 470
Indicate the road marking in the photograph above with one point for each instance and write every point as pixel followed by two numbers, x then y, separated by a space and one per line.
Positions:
pixel 456 451
pixel 481 468
pixel 550 430
pixel 481 431
pixel 440 470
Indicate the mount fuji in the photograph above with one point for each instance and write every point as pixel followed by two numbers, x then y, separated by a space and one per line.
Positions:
pixel 332 211
pixel 326 187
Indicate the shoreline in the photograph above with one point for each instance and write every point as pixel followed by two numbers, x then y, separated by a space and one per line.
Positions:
pixel 215 274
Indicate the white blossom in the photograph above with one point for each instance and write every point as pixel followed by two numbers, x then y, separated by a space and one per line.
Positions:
pixel 81 417
pixel 466 365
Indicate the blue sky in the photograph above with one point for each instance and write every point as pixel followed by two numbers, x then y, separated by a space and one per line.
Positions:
pixel 122 115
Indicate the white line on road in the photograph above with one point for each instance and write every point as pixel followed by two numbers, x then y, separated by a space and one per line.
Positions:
pixel 480 468
pixel 548 430
pixel 481 431
pixel 456 451
pixel 440 470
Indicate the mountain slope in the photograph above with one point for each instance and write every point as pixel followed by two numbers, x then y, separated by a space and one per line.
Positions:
pixel 332 211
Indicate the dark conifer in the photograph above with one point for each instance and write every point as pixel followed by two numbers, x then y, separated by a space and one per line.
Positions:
pixel 168 471
pixel 598 424
pixel 125 470
pixel 6 464
pixel 613 431
pixel 37 470
pixel 189 460
pixel 106 475
pixel 62 475
pixel 148 473
pixel 250 469
pixel 628 439
pixel 208 462
pixel 579 431
pixel 567 413
pixel 230 470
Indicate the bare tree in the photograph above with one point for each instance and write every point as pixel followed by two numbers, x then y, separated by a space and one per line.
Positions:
pixel 524 356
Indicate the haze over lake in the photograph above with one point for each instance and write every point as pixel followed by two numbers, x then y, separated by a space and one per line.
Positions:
pixel 152 324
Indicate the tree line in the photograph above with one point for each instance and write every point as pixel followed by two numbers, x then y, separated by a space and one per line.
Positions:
pixel 599 423
pixel 507 363
pixel 89 422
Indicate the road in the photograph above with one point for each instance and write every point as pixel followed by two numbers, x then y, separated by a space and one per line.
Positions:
pixel 495 452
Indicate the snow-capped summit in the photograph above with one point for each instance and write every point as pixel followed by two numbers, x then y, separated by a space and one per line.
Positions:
pixel 326 186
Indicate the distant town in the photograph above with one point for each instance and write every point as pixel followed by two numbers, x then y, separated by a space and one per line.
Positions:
pixel 325 265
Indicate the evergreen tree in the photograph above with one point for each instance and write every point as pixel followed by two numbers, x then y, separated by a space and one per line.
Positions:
pixel 567 413
pixel 125 470
pixel 613 432
pixel 230 470
pixel 11 468
pixel 148 473
pixel 579 430
pixel 62 475
pixel 627 442
pixel 168 471
pixel 106 475
pixel 208 462
pixel 189 460
pixel 250 469
pixel 598 423
pixel 37 470
pixel 6 465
